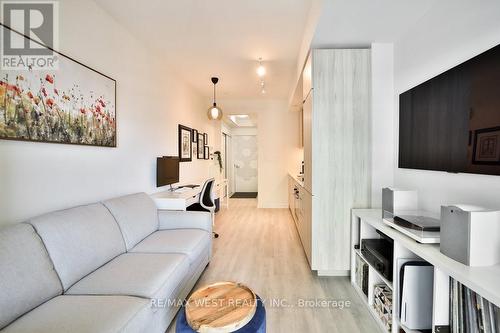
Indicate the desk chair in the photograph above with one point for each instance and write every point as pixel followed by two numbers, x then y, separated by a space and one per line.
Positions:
pixel 207 201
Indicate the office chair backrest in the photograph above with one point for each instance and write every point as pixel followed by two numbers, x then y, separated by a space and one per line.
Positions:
pixel 207 196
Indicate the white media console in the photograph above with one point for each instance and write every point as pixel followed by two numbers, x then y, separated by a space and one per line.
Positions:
pixel 483 280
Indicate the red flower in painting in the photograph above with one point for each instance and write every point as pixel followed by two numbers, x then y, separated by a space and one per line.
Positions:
pixel 56 91
pixel 13 88
pixel 82 111
pixel 49 78
pixel 98 109
pixel 30 95
pixel 102 103
pixel 44 92
pixel 50 102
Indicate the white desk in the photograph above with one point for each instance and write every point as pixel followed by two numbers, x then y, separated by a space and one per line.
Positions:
pixel 177 200
pixel 182 198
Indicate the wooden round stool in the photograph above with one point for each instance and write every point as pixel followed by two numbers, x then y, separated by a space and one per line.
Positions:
pixel 222 307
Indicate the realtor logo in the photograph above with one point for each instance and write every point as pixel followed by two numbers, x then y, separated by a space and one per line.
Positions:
pixel 29 26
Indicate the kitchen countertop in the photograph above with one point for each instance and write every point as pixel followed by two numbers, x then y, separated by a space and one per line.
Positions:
pixel 296 179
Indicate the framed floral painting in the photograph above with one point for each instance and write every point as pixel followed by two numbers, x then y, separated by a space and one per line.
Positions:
pixel 73 104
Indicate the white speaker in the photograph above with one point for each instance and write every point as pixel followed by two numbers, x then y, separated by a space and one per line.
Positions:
pixel 417 279
pixel 396 201
pixel 470 235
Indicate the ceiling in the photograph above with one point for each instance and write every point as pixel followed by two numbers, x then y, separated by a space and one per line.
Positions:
pixel 348 23
pixel 199 39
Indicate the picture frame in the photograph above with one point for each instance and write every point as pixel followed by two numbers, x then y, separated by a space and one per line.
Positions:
pixel 195 135
pixel 205 139
pixel 206 152
pixel 486 149
pixel 194 148
pixel 201 144
pixel 75 104
pixel 185 142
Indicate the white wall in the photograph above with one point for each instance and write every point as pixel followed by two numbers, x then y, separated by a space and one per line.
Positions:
pixel 451 32
pixel 37 177
pixel 278 140
pixel 382 61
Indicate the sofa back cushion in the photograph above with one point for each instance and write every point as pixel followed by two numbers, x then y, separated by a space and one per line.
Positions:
pixel 27 275
pixel 137 216
pixel 79 240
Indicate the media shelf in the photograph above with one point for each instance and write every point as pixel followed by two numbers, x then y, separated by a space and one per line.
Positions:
pixel 482 280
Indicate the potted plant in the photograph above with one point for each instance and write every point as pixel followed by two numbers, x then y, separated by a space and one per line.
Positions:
pixel 218 157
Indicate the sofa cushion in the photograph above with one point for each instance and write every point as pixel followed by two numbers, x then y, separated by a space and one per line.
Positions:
pixel 137 216
pixel 191 242
pixel 136 274
pixel 27 276
pixel 79 240
pixel 86 314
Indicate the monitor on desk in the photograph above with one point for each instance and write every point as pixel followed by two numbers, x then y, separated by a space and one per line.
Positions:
pixel 167 170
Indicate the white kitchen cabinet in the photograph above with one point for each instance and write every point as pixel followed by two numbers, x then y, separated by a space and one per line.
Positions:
pixel 336 133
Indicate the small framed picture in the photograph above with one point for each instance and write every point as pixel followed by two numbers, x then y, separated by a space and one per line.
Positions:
pixel 195 148
pixel 205 139
pixel 195 135
pixel 185 144
pixel 200 146
pixel 487 146
pixel 206 153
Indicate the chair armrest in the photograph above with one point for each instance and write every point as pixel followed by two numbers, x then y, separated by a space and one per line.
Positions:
pixel 173 219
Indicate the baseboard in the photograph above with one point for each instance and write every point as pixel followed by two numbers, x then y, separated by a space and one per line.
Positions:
pixel 333 273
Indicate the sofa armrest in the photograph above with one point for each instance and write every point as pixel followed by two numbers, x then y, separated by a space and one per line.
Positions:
pixel 172 219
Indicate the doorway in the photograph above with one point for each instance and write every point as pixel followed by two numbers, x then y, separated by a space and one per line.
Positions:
pixel 245 166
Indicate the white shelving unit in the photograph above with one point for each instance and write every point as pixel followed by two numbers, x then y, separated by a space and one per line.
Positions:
pixel 482 280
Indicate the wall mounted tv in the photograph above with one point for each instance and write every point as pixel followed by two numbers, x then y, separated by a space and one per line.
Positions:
pixel 452 121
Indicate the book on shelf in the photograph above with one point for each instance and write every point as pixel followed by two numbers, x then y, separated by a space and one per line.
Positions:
pixel 470 312
pixel 362 275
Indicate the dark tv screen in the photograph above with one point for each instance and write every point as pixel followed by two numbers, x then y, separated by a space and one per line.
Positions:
pixel 167 170
pixel 452 121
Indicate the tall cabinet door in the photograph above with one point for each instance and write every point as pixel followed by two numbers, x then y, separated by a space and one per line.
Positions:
pixel 307 222
pixel 341 151
pixel 307 109
pixel 307 130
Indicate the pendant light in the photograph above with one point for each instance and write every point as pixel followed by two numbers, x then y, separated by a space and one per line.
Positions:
pixel 261 70
pixel 214 112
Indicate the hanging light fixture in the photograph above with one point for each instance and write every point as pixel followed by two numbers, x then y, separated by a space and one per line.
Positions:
pixel 214 112
pixel 261 70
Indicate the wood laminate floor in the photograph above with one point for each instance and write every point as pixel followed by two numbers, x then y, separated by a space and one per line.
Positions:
pixel 261 248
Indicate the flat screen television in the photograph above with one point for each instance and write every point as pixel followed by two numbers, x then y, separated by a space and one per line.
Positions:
pixel 167 170
pixel 452 121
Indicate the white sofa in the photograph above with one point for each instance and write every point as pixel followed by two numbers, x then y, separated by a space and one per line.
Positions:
pixel 105 267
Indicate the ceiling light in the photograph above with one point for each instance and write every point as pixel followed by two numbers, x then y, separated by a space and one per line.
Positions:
pixel 214 112
pixel 261 70
pixel 262 87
